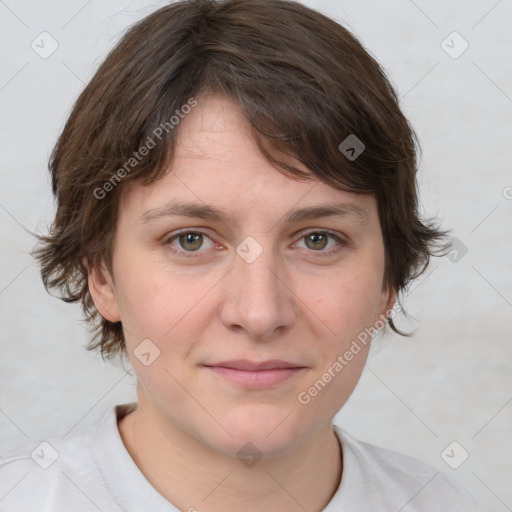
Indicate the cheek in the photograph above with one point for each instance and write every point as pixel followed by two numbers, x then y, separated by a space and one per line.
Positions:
pixel 170 309
pixel 346 314
pixel 145 306
pixel 148 295
pixel 345 303
pixel 343 317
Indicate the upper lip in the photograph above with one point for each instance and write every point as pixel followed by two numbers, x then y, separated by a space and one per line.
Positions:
pixel 245 364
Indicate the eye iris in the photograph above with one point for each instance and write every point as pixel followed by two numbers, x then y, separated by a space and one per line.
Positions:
pixel 195 239
pixel 315 237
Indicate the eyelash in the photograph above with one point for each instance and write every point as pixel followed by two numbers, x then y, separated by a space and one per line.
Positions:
pixel 196 254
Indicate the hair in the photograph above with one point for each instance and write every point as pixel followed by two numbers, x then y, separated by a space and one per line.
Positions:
pixel 303 82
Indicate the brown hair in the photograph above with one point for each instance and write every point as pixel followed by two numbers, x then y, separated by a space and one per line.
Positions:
pixel 302 80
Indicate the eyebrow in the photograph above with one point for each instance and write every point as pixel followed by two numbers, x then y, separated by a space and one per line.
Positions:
pixel 206 212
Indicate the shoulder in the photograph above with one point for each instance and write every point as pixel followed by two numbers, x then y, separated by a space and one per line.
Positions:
pixel 60 470
pixel 394 479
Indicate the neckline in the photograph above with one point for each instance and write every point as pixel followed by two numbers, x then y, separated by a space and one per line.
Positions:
pixel 129 487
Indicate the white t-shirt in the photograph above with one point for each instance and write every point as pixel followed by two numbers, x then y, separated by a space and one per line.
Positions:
pixel 91 470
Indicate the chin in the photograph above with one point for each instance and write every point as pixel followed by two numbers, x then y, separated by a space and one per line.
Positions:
pixel 274 431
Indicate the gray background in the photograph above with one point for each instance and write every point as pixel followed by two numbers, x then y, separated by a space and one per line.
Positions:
pixel 451 382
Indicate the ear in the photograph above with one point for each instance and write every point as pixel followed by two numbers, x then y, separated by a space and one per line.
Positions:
pixel 386 304
pixel 102 290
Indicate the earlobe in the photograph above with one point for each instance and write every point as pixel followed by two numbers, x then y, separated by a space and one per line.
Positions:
pixel 390 306
pixel 102 292
pixel 387 305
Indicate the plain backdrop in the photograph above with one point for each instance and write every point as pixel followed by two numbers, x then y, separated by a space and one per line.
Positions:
pixel 451 382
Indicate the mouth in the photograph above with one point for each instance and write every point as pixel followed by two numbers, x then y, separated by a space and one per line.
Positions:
pixel 255 375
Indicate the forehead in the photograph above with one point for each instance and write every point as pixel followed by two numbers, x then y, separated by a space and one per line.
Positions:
pixel 219 172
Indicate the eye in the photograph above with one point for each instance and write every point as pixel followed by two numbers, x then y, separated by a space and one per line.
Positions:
pixel 317 241
pixel 188 242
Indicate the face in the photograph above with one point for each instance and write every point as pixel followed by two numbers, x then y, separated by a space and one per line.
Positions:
pixel 254 283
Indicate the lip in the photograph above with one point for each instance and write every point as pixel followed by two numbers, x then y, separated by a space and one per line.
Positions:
pixel 256 375
pixel 247 365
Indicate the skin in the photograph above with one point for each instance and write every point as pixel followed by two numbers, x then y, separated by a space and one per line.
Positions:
pixel 290 303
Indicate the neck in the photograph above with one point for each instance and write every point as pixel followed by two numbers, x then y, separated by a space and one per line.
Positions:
pixel 192 475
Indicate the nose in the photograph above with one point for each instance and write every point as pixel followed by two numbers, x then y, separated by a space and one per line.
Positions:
pixel 259 297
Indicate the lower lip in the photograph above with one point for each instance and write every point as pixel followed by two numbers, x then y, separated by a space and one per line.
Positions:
pixel 257 379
